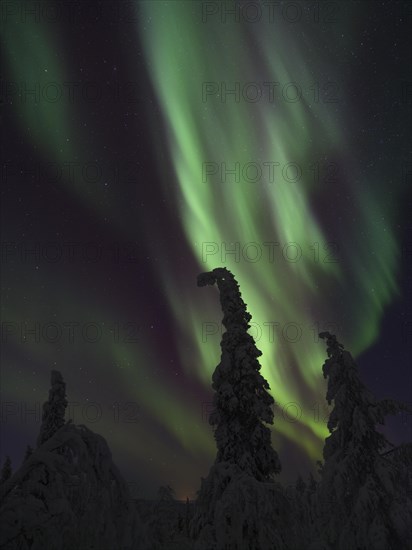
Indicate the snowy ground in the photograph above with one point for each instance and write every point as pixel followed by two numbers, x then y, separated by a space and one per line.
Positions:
pixel 180 543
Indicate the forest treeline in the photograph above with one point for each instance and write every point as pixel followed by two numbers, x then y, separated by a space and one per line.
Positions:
pixel 68 493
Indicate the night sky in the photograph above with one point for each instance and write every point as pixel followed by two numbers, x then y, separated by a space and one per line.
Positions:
pixel 119 120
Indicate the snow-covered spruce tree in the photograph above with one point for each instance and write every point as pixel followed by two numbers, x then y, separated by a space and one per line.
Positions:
pixel 6 470
pixel 360 504
pixel 163 522
pixel 239 504
pixel 241 402
pixel 53 409
pixel 65 500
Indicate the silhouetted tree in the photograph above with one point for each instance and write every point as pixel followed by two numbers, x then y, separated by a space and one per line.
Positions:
pixel 6 470
pixel 28 453
pixel 238 501
pixel 300 485
pixel 241 402
pixel 359 505
pixel 164 522
pixel 54 409
pixel 310 502
pixel 312 484
pixel 188 516
pixel 70 500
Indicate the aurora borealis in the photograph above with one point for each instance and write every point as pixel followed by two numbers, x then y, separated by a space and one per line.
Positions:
pixel 117 191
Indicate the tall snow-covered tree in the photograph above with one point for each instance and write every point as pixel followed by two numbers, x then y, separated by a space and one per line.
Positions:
pixel 242 404
pixel 6 470
pixel 54 408
pixel 239 505
pixel 360 505
pixel 65 500
pixel 164 522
